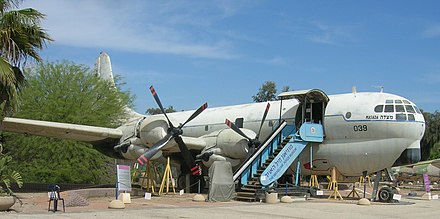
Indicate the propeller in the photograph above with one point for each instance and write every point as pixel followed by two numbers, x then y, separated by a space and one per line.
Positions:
pixel 255 142
pixel 172 132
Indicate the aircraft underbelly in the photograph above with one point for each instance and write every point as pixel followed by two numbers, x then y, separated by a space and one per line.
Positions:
pixel 351 159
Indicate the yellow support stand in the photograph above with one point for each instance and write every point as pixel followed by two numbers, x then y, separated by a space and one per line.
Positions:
pixel 354 192
pixel 167 176
pixel 329 179
pixel 314 181
pixel 362 180
pixel 150 175
pixel 334 186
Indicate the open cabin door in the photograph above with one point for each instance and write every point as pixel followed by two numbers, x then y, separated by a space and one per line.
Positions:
pixel 312 105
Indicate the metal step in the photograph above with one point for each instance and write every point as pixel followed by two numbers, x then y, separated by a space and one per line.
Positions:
pixel 249 199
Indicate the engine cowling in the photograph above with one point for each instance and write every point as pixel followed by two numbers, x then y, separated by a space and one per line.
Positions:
pixel 229 142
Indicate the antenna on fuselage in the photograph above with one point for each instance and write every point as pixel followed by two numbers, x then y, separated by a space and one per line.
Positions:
pixel 353 90
pixel 381 88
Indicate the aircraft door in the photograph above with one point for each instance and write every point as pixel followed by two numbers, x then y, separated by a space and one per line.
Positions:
pixel 312 105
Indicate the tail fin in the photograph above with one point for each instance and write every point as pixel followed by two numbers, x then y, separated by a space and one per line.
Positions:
pixel 103 69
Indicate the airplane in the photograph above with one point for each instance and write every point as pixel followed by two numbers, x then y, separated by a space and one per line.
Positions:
pixel 430 167
pixel 364 131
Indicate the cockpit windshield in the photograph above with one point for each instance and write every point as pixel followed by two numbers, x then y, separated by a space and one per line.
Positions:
pixel 404 109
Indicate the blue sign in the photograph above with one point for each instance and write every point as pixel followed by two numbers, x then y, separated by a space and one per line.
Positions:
pixel 281 162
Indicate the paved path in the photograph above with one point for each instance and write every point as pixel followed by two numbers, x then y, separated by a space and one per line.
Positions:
pixel 174 206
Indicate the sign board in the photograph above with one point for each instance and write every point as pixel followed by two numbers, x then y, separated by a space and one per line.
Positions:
pixel 123 177
pixel 281 162
pixel 319 192
pixel 426 183
pixel 148 196
pixel 397 197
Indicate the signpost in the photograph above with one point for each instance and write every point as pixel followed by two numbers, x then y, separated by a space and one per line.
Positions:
pixel 123 179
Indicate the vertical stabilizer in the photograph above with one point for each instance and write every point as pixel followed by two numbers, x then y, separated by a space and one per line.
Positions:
pixel 103 70
pixel 103 67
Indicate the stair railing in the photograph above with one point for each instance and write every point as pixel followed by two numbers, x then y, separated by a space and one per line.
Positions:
pixel 248 167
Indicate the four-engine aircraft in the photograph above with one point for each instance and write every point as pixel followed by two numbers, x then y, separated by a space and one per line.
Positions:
pixel 364 131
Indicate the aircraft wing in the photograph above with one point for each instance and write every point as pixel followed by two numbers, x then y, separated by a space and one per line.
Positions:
pixel 436 163
pixel 59 130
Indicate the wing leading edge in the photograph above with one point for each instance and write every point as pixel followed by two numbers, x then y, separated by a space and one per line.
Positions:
pixel 60 130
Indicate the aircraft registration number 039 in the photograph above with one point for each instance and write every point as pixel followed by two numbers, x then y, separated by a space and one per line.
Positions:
pixel 360 128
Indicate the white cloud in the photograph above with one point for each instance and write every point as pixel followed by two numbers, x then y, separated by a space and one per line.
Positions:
pixel 431 32
pixel 138 26
pixel 326 34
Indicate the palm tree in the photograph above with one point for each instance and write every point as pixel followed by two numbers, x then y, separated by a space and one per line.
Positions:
pixel 21 37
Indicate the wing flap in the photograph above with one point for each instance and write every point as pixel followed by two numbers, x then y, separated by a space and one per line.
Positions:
pixel 59 130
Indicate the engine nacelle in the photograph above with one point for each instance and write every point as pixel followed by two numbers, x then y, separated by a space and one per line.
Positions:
pixel 135 151
pixel 230 143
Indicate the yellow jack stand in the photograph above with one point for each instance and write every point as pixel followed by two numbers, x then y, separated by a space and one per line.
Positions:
pixel 354 192
pixel 149 173
pixel 334 186
pixel 362 180
pixel 167 176
pixel 314 181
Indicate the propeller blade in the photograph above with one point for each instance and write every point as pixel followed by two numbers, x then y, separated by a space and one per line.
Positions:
pixel 195 114
pixel 236 129
pixel 144 158
pixel 262 121
pixel 187 156
pixel 156 97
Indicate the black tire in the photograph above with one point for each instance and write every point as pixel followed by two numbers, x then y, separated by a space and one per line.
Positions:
pixel 385 194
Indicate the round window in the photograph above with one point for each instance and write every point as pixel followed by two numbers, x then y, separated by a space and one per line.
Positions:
pixel 348 115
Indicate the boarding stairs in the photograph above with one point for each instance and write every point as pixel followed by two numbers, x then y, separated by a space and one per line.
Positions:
pixel 271 160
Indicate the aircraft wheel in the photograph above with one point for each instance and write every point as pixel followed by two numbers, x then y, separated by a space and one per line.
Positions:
pixel 385 194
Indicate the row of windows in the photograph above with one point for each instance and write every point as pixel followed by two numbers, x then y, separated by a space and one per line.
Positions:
pixel 403 117
pixel 396 108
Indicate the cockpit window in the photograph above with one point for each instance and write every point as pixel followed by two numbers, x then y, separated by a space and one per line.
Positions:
pixel 406 102
pixel 378 109
pixel 400 109
pixel 410 109
pixel 389 101
pixel 397 101
pixel 389 108
pixel 411 117
pixel 417 110
pixel 401 117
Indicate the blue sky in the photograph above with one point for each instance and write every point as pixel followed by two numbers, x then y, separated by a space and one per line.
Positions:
pixel 221 52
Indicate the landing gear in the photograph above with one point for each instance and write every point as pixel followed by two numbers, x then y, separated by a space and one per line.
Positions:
pixel 385 194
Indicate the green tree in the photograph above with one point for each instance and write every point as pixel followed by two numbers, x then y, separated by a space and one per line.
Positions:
pixel 70 93
pixel 21 37
pixel 154 111
pixel 432 136
pixel 267 92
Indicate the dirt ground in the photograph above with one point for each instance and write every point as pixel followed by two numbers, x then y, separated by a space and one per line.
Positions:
pixel 35 205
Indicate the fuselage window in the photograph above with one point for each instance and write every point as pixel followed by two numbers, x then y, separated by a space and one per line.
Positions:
pixel 400 117
pixel 398 101
pixel 411 117
pixel 206 128
pixel 409 109
pixel 400 109
pixel 417 110
pixel 406 102
pixel 389 108
pixel 378 109
pixel 389 101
